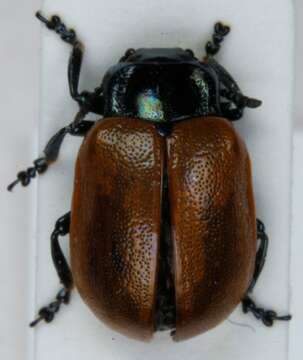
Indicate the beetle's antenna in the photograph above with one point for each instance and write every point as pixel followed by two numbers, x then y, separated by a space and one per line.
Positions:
pixel 213 46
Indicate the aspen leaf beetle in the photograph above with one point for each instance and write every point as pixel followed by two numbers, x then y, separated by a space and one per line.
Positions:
pixel 163 228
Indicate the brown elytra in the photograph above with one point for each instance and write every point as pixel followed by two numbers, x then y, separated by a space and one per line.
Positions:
pixel 117 223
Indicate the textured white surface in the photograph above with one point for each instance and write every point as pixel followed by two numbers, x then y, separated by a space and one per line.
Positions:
pixel 296 328
pixel 19 74
pixel 258 53
pixel 298 109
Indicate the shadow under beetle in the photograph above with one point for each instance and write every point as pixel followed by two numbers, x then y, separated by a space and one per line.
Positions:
pixel 163 229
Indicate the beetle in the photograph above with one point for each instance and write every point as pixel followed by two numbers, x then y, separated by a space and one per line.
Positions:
pixel 163 227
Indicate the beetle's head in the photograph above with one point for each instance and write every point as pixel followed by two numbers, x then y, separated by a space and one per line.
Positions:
pixel 160 85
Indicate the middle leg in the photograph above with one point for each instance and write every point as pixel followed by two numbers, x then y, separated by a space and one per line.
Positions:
pixel 79 127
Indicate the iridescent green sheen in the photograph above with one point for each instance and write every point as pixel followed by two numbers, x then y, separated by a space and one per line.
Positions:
pixel 149 106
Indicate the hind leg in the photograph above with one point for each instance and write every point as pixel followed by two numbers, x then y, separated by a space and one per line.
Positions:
pixel 47 313
pixel 248 305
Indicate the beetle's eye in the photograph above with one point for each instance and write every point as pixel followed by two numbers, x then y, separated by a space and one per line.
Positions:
pixel 149 106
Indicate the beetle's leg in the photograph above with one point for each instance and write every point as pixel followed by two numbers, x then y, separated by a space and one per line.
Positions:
pixel 261 253
pixel 127 54
pixel 232 101
pixel 248 305
pixel 88 102
pixel 91 101
pixel 220 31
pixel 268 317
pixel 48 312
pixel 78 127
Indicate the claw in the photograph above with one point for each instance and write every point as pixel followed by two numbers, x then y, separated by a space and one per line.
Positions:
pixel 41 17
pixel 268 317
pixel 48 313
pixel 12 185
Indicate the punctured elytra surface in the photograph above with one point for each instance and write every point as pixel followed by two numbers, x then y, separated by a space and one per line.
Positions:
pixel 116 222
pixel 115 226
pixel 213 222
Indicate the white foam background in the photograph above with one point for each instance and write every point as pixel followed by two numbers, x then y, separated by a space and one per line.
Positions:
pixel 259 53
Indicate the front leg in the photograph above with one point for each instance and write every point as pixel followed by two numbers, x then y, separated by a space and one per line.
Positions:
pixel 213 46
pixel 231 100
pixel 91 101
